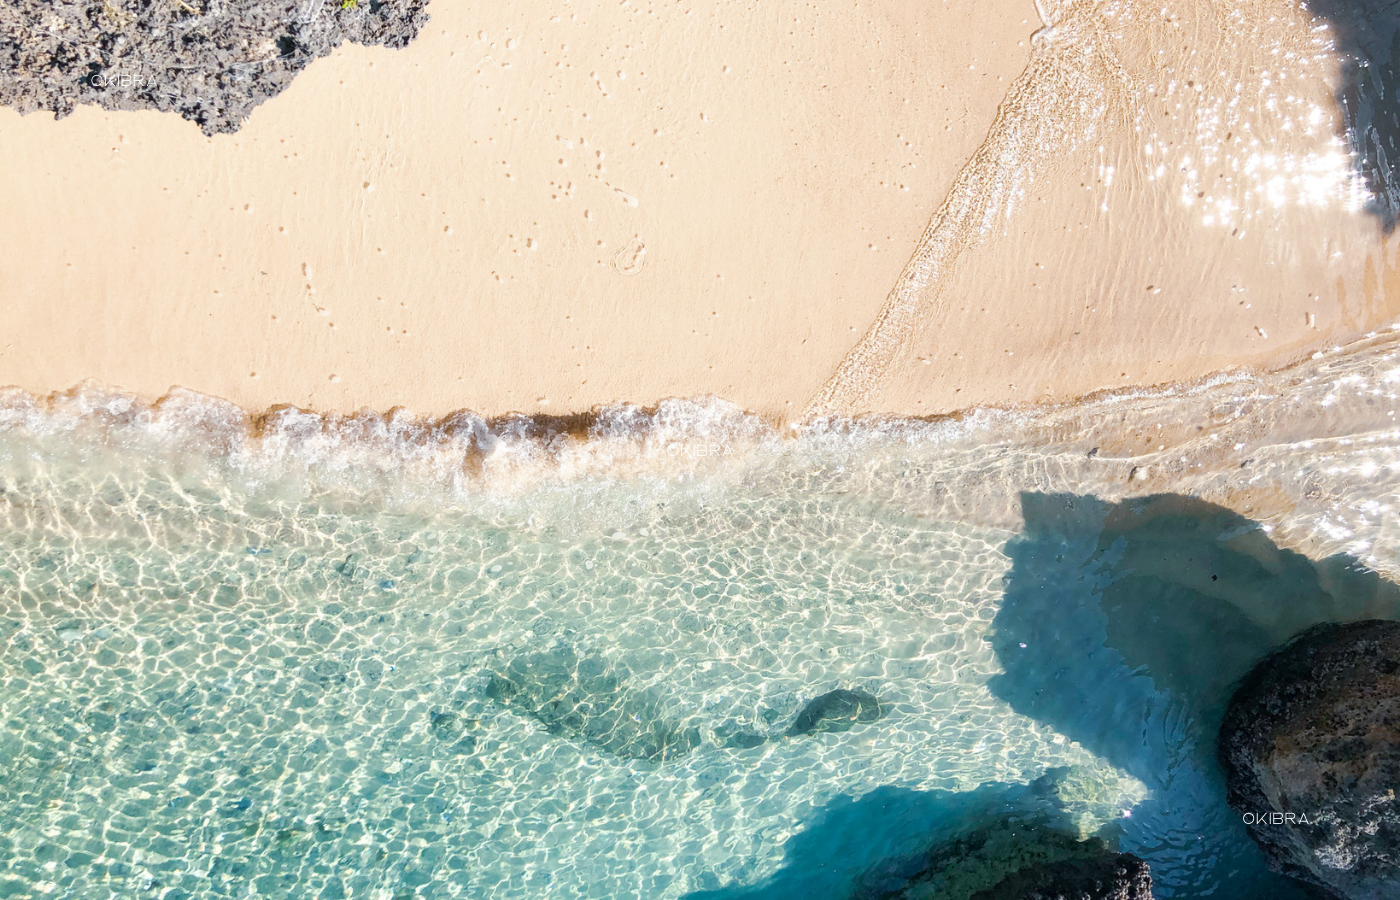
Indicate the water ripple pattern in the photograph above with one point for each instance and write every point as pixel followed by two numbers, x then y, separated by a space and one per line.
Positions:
pixel 376 657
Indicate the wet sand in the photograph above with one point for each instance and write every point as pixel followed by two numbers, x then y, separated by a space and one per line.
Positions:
pixel 544 209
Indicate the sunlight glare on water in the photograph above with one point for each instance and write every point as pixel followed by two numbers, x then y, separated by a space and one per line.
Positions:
pixel 368 657
pixel 676 652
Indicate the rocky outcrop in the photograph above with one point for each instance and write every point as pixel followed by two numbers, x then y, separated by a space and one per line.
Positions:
pixel 1014 859
pixel 210 61
pixel 1108 876
pixel 1311 748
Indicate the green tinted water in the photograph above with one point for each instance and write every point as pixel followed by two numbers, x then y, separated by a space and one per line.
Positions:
pixel 355 659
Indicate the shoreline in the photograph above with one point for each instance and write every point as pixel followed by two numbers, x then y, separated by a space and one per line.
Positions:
pixel 1258 444
pixel 577 422
pixel 1074 421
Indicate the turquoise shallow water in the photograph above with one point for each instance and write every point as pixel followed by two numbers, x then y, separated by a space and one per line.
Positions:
pixel 379 658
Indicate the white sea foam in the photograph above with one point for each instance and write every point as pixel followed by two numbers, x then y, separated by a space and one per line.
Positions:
pixel 1295 447
pixel 295 615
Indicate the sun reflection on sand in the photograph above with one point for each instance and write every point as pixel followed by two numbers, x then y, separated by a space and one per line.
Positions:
pixel 1233 107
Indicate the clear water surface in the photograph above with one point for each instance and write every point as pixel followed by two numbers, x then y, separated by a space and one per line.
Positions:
pixel 369 657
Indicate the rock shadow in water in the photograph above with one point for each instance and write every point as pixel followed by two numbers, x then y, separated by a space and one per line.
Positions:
pixel 1368 35
pixel 898 843
pixel 1126 626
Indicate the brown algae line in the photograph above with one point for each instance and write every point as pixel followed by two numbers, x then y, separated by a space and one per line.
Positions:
pixel 1052 107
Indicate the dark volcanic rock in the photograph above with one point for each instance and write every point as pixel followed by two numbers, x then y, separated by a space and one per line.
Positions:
pixel 836 711
pixel 1311 747
pixel 1015 859
pixel 1112 876
pixel 211 61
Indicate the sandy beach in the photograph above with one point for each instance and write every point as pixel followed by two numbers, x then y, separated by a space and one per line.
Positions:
pixel 699 449
pixel 545 208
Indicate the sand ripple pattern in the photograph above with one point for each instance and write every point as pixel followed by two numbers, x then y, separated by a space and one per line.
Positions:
pixel 1053 108
pixel 1225 110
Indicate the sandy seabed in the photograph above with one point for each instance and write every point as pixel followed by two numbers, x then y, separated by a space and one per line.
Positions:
pixel 548 207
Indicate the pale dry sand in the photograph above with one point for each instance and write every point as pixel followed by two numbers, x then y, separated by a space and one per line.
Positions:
pixel 461 224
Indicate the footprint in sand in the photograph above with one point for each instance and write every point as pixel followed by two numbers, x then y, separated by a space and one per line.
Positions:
pixel 631 259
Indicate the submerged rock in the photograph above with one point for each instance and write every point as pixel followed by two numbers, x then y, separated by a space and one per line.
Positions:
pixel 450 729
pixel 734 736
pixel 837 710
pixel 1311 748
pixel 586 698
pixel 1015 859
pixel 210 62
pixel 1110 876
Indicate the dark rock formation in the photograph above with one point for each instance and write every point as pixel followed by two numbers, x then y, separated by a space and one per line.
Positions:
pixel 1014 859
pixel 586 698
pixel 1112 876
pixel 1311 747
pixel 837 710
pixel 1366 34
pixel 211 61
